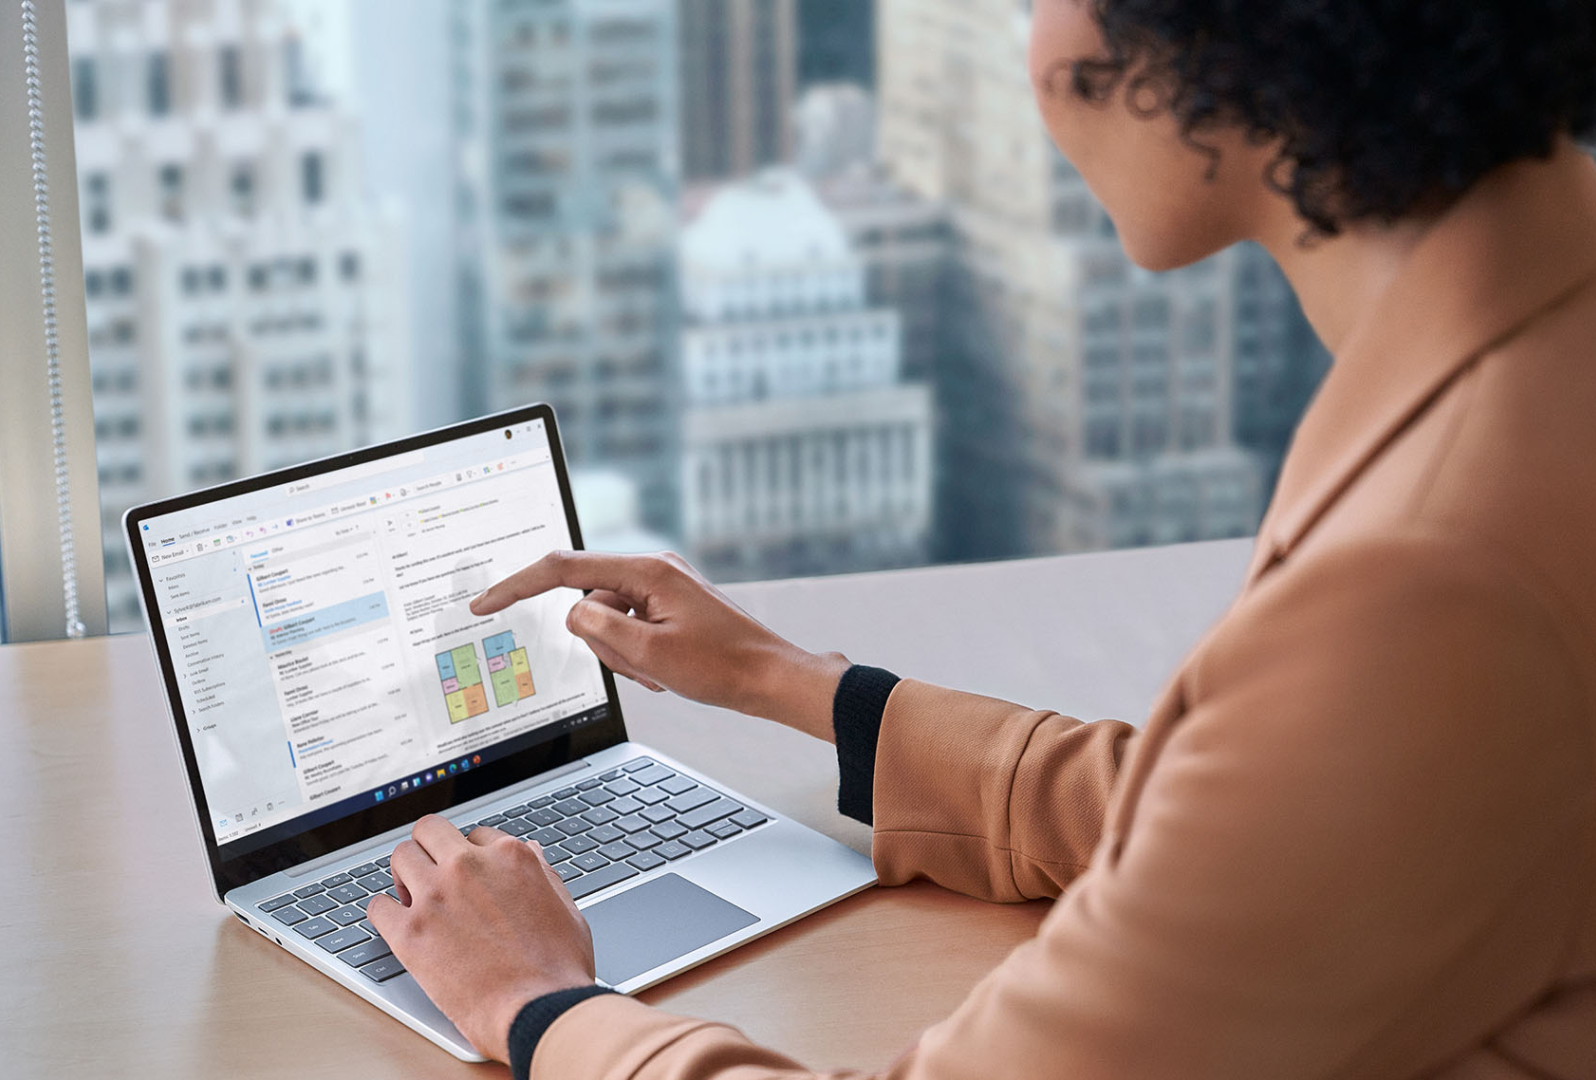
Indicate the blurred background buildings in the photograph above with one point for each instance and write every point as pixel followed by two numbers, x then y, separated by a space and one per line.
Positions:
pixel 805 281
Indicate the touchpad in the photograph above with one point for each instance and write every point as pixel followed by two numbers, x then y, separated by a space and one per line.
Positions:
pixel 655 923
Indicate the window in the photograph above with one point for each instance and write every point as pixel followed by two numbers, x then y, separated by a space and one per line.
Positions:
pixel 310 178
pixel 159 84
pixel 488 212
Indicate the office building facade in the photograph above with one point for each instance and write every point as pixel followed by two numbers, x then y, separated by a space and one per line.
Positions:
pixel 738 74
pixel 243 299
pixel 837 42
pixel 567 170
pixel 803 451
pixel 1093 383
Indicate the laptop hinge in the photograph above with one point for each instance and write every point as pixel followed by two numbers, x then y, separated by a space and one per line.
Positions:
pixel 393 836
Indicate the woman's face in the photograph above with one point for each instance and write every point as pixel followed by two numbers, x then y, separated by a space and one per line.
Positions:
pixel 1156 187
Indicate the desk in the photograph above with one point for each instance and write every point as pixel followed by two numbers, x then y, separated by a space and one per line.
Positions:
pixel 116 962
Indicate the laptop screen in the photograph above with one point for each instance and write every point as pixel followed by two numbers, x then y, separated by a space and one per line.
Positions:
pixel 325 660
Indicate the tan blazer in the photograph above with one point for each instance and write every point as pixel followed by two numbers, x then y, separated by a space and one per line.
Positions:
pixel 1357 836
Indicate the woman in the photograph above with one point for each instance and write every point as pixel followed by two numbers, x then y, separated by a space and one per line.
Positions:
pixel 1357 836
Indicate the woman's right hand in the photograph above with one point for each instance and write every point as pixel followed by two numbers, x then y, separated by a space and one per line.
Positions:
pixel 654 619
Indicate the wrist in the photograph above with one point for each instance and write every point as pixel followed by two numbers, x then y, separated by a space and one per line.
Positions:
pixel 796 688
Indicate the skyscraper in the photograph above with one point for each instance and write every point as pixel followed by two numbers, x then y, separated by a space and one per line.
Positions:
pixel 738 62
pixel 1102 414
pixel 804 452
pixel 243 298
pixel 566 155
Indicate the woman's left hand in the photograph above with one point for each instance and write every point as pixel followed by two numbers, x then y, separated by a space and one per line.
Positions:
pixel 484 925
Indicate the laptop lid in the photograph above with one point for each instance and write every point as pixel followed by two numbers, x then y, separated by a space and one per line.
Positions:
pixel 325 677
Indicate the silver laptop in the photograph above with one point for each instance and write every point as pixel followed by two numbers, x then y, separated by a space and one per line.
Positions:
pixel 328 685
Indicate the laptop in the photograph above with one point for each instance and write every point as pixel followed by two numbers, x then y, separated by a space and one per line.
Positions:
pixel 328 686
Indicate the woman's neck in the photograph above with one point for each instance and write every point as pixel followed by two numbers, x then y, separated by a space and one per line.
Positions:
pixel 1340 278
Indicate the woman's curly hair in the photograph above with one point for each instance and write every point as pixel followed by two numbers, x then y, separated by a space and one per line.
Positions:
pixel 1381 107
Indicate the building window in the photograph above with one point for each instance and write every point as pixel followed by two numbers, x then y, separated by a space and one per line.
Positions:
pixel 85 89
pixel 159 84
pixel 97 203
pixel 242 188
pixel 229 77
pixel 311 178
pixel 170 187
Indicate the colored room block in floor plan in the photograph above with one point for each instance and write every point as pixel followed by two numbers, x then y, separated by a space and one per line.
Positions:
pixel 508 669
pixel 463 691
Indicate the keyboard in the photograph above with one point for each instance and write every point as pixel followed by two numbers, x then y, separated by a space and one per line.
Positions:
pixel 597 833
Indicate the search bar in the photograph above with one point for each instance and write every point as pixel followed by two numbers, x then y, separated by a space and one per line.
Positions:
pixel 357 472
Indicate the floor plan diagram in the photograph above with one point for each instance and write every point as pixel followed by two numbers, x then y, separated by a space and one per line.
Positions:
pixel 507 669
pixel 462 683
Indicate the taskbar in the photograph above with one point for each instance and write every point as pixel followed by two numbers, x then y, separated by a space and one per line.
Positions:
pixel 410 783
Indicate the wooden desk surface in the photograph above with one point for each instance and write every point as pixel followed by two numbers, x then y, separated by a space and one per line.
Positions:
pixel 116 961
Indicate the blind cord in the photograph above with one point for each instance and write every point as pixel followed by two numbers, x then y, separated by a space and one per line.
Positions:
pixel 52 350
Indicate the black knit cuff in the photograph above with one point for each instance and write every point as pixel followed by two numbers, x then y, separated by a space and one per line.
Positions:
pixel 535 1018
pixel 856 718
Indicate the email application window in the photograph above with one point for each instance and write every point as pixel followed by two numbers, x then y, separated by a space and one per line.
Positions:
pixel 322 637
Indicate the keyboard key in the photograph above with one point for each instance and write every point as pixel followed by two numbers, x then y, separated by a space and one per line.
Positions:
pixel 345 916
pixel 605 834
pixel 672 850
pixel 749 818
pixel 309 890
pixel 546 837
pixel 596 797
pixel 570 807
pixel 316 905
pixel 374 949
pixel 276 902
pixel 651 796
pixel 622 806
pixel 518 827
pixel 363 902
pixel 383 862
pixel 365 924
pixel 613 774
pixel 578 845
pixel 589 784
pixel 567 871
pixel 602 815
pixel 622 787
pixel 692 800
pixel 516 811
pixel 290 916
pixel 697 819
pixel 644 840
pixel 636 765
pixel 315 928
pixel 676 785
pixel 572 826
pixel 698 841
pixel 668 830
pixel 376 882
pixel 343 939
pixel 556 854
pixel 656 814
pixel 591 861
pixel 540 803
pixel 646 861
pixel 635 823
pixel 363 869
pixel 335 881
pixel 469 829
pixel 600 879
pixel 723 830
pixel 543 818
pixel 383 970
pixel 493 821
pixel 652 775
pixel 617 851
pixel 347 894
pixel 565 793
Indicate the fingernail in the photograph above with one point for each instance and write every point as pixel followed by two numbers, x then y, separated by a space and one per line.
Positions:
pixel 479 597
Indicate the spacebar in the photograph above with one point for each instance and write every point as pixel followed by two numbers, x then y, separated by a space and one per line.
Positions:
pixel 598 879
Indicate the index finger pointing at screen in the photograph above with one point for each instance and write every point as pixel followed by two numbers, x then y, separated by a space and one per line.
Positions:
pixel 629 575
